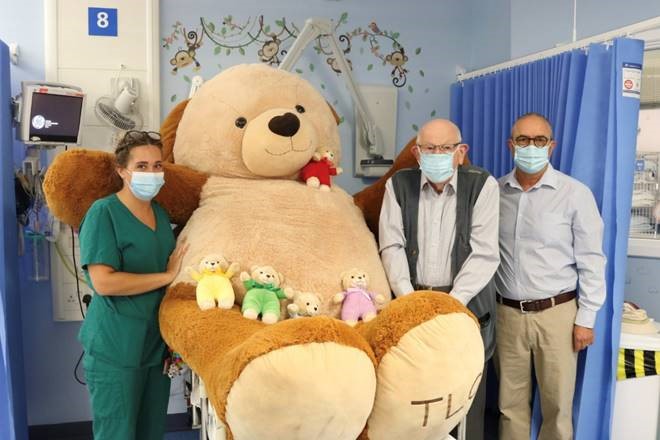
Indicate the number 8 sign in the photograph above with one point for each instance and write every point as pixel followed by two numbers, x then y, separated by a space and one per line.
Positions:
pixel 102 21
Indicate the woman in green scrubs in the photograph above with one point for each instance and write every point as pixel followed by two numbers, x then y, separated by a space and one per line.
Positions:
pixel 128 256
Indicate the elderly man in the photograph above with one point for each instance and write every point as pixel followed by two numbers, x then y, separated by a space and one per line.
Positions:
pixel 438 230
pixel 550 243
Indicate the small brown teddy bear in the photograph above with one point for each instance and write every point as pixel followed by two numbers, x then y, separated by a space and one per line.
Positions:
pixel 304 304
pixel 264 291
pixel 213 282
pixel 357 301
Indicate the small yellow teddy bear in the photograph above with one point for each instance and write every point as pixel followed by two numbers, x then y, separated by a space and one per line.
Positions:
pixel 213 282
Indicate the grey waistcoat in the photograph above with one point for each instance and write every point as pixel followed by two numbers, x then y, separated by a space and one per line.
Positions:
pixel 470 181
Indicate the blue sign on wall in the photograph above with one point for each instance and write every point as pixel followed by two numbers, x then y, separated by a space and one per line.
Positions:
pixel 102 21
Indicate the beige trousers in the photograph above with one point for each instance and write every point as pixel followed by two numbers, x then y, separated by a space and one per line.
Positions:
pixel 544 341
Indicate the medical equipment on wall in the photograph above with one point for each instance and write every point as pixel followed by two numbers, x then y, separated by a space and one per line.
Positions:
pixel 119 110
pixel 195 83
pixel 374 153
pixel 48 114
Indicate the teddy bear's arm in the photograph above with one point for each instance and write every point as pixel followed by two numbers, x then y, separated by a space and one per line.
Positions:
pixel 370 199
pixel 75 179
pixel 194 274
pixel 279 292
pixel 232 269
pixel 180 194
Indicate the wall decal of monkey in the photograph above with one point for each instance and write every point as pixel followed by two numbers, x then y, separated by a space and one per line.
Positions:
pixel 185 57
pixel 397 59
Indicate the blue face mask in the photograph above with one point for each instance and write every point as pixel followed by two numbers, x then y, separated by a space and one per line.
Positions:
pixel 531 159
pixel 437 168
pixel 145 186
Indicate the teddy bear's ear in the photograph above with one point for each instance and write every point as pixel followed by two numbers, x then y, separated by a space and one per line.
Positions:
pixel 334 113
pixel 253 268
pixel 168 130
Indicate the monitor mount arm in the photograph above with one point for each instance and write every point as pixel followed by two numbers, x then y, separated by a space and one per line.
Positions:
pixel 324 28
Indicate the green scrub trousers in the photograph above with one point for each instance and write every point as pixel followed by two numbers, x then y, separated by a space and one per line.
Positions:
pixel 124 351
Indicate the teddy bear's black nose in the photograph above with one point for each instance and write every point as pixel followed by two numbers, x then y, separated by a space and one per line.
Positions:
pixel 286 125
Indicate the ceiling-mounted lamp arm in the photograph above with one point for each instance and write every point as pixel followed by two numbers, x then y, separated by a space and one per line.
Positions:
pixel 321 27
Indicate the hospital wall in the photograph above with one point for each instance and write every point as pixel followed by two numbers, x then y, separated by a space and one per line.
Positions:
pixel 437 28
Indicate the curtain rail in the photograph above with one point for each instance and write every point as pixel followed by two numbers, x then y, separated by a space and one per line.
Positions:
pixel 642 26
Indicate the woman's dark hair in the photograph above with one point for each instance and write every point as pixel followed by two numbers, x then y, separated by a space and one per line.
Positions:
pixel 132 139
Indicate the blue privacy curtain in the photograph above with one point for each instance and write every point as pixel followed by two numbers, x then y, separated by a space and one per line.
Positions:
pixel 595 126
pixel 13 421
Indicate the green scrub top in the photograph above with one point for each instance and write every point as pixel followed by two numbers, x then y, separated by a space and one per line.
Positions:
pixel 123 331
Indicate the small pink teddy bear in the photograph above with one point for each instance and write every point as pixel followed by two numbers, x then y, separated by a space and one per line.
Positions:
pixel 357 301
pixel 317 173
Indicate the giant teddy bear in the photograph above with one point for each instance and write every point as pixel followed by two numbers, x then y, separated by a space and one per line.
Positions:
pixel 234 152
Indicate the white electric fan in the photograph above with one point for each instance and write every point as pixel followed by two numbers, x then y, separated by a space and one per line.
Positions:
pixel 119 110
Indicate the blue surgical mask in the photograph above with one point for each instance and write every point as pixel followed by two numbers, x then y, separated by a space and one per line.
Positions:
pixel 145 186
pixel 437 168
pixel 531 159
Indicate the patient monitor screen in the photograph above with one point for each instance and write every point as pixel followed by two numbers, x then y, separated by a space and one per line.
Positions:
pixel 55 118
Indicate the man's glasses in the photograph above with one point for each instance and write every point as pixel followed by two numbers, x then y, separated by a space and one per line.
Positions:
pixel 538 141
pixel 442 149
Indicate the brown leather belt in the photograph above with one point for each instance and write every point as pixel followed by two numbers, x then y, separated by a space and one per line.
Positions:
pixel 537 305
pixel 445 289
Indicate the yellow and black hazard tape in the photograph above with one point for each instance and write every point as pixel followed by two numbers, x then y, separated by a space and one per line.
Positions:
pixel 637 363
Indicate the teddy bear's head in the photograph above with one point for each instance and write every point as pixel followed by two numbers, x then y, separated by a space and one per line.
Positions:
pixel 266 275
pixel 309 304
pixel 325 153
pixel 254 121
pixel 354 278
pixel 213 263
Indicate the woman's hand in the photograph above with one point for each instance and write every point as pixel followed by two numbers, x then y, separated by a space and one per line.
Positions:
pixel 176 259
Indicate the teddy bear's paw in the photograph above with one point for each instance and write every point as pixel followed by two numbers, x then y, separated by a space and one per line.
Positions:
pixel 368 316
pixel 315 381
pixel 429 370
pixel 226 303
pixel 324 188
pixel 270 318
pixel 250 314
pixel 313 182
pixel 206 304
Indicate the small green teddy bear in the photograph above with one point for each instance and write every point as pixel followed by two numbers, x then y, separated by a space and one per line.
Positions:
pixel 264 292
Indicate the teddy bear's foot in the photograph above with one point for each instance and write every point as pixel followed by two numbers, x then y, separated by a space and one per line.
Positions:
pixel 206 304
pixel 313 182
pixel 299 379
pixel 351 322
pixel 324 188
pixel 250 314
pixel 431 359
pixel 269 318
pixel 226 303
pixel 369 316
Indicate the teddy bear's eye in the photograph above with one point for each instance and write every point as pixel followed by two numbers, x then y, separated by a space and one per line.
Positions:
pixel 300 109
pixel 352 276
pixel 307 303
pixel 240 122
